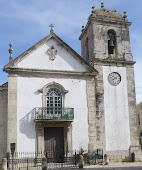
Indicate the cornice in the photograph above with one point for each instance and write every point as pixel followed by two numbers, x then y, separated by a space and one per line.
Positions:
pixel 113 61
pixel 3 88
pixel 102 21
pixel 49 72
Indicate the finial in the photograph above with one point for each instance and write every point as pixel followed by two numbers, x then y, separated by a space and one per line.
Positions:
pixel 52 26
pixel 93 9
pixel 10 51
pixel 82 28
pixel 125 15
pixel 102 5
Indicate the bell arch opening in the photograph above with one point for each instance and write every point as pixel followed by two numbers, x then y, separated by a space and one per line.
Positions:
pixel 111 42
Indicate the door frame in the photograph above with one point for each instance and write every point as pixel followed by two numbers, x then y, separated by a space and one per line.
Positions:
pixel 54 143
pixel 67 135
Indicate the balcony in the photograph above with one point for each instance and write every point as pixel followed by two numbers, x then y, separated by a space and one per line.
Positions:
pixel 53 114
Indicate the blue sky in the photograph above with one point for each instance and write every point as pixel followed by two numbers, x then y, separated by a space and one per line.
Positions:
pixel 25 22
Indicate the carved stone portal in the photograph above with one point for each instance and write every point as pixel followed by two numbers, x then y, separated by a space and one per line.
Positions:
pixel 52 53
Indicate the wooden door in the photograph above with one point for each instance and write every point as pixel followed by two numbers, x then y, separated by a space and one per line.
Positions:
pixel 54 143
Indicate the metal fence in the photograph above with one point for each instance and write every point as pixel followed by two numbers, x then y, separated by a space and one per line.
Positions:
pixel 93 157
pixel 30 160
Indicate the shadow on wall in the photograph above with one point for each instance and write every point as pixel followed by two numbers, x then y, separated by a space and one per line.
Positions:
pixel 27 125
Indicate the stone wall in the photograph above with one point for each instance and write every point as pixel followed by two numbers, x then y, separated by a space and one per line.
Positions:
pixel 12 111
pixel 135 147
pixel 3 122
pixel 91 113
pixel 89 35
pixel 99 114
pixel 139 114
pixel 97 32
pixel 122 48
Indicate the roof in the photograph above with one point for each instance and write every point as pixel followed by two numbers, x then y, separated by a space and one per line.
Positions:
pixel 107 16
pixel 110 14
pixel 4 85
pixel 139 105
pixel 12 63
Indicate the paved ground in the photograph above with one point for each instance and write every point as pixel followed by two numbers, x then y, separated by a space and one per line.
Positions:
pixel 111 166
pixel 117 166
pixel 120 168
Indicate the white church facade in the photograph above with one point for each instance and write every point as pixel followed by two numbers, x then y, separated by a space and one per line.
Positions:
pixel 56 99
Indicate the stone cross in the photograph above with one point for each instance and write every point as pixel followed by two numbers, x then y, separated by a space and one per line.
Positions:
pixel 52 26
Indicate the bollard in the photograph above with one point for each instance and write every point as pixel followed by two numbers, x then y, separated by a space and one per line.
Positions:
pixel 106 159
pixel 4 164
pixel 44 163
pixel 80 162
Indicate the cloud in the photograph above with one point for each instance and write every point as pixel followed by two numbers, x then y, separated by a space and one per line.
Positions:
pixel 25 22
pixel 67 19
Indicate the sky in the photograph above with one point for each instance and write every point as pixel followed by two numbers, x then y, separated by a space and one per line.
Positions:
pixel 25 22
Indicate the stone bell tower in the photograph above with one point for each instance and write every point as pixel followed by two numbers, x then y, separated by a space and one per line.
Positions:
pixel 105 44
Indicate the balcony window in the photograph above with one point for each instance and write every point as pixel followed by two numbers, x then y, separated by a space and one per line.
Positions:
pixel 53 96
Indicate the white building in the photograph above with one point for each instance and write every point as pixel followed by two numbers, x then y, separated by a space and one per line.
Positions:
pixel 56 98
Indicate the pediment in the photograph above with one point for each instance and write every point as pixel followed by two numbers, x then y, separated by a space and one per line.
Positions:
pixel 53 54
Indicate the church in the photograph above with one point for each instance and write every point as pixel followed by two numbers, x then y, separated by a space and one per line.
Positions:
pixel 56 99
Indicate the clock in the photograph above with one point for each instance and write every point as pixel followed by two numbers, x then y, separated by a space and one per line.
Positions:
pixel 114 78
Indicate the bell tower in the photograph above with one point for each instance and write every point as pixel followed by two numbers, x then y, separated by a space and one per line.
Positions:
pixel 106 36
pixel 105 44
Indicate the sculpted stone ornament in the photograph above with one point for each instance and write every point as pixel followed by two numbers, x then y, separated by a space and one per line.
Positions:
pixel 10 51
pixel 52 53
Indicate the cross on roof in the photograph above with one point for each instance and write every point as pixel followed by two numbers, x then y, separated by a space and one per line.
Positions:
pixel 52 26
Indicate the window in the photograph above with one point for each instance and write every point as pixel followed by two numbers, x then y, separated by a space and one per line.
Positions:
pixel 53 95
pixel 111 42
pixel 54 102
pixel 139 119
pixel 54 98
pixel 87 49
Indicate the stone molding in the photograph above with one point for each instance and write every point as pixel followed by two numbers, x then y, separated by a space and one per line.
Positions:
pixel 53 84
pixel 67 135
pixel 102 22
pixel 56 72
pixel 116 61
pixel 11 65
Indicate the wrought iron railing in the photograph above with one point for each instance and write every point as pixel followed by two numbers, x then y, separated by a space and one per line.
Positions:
pixel 55 159
pixel 45 113
pixel 33 160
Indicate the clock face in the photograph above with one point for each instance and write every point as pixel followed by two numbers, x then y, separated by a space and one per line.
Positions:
pixel 114 78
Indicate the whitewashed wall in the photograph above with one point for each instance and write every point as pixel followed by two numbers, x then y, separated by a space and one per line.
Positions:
pixel 29 98
pixel 116 111
pixel 39 59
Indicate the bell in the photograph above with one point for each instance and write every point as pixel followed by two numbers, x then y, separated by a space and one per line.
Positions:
pixel 111 44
